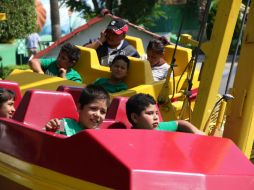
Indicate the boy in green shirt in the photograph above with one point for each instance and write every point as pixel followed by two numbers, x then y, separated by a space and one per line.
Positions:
pixel 119 70
pixel 62 66
pixel 92 108
pixel 142 113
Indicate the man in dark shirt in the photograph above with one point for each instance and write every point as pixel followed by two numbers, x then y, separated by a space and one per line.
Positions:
pixel 111 43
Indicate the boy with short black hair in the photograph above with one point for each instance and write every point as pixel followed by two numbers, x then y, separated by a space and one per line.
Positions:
pixel 7 98
pixel 62 66
pixel 142 113
pixel 119 70
pixel 93 104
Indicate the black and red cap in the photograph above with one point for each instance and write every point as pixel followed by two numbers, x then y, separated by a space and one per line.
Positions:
pixel 118 26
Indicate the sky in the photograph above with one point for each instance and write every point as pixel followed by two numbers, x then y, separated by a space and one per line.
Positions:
pixel 66 22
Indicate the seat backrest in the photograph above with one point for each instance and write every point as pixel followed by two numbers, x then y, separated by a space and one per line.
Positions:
pixel 13 86
pixel 139 73
pixel 117 111
pixel 89 66
pixel 75 91
pixel 182 57
pixel 136 43
pixel 37 107
pixel 111 124
pixel 28 80
pixel 90 69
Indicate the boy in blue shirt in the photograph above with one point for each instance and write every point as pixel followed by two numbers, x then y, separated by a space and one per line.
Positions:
pixel 142 113
pixel 62 66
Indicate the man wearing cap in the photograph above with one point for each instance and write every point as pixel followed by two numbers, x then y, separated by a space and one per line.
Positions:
pixel 112 43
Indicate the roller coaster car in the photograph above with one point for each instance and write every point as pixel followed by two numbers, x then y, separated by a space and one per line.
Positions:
pixel 118 159
pixel 31 158
pixel 139 77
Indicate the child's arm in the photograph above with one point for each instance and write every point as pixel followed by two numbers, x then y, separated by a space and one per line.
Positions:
pixel 185 126
pixel 35 65
pixel 53 125
pixel 97 43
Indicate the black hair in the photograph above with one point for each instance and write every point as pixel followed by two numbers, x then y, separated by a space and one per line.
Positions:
pixel 156 45
pixel 164 40
pixel 138 103
pixel 121 57
pixel 91 93
pixel 6 95
pixel 72 52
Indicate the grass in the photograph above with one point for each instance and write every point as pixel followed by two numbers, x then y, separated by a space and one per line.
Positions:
pixel 5 71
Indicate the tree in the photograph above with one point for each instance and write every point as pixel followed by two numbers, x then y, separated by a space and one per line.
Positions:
pixel 55 20
pixel 211 20
pixel 201 8
pixel 21 19
pixel 138 12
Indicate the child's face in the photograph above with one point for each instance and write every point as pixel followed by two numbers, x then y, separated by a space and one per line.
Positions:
pixel 92 115
pixel 154 57
pixel 113 40
pixel 63 60
pixel 148 118
pixel 7 109
pixel 119 69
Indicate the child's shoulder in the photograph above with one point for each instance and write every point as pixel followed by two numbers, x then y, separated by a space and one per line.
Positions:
pixel 48 61
pixel 165 65
pixel 101 80
pixel 168 126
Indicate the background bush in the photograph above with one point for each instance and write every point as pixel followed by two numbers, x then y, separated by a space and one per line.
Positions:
pixel 21 19
pixel 5 71
pixel 211 20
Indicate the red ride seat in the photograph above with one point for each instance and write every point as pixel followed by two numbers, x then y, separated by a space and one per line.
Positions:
pixel 13 86
pixel 75 91
pixel 117 111
pixel 39 106
pixel 111 124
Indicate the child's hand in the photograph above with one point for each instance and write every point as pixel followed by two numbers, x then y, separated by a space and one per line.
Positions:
pixel 103 37
pixel 62 72
pixel 198 132
pixel 53 125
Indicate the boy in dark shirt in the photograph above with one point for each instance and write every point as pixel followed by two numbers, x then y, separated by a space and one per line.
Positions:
pixel 111 43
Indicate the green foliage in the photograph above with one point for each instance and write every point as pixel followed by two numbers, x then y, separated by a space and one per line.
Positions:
pixel 156 14
pixel 84 7
pixel 21 19
pixel 5 71
pixel 211 20
pixel 139 12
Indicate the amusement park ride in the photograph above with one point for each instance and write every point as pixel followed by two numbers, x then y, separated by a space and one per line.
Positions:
pixel 31 158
